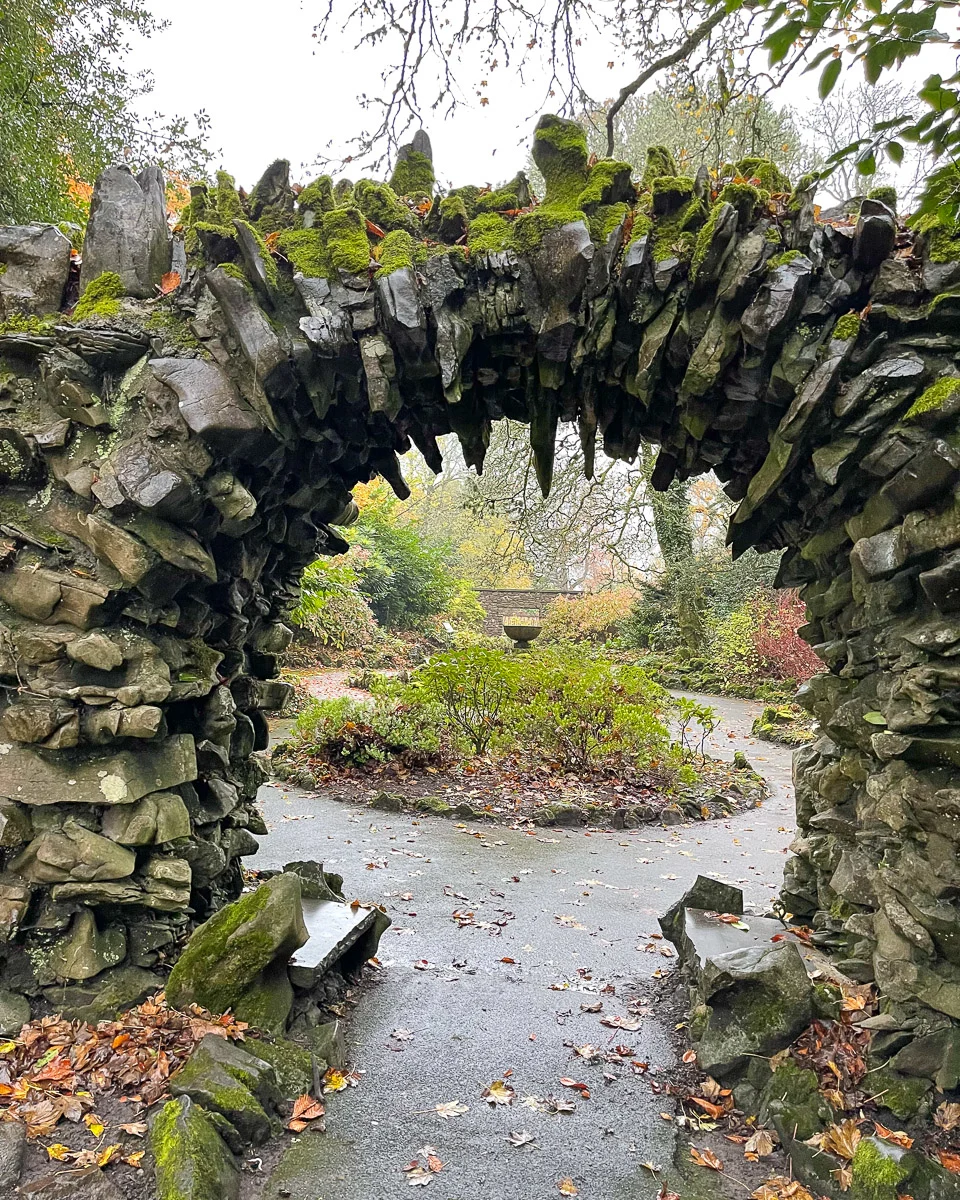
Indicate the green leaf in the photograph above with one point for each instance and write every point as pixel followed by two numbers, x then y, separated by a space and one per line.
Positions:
pixel 828 80
pixel 875 718
pixel 894 152
pixel 867 164
pixel 780 41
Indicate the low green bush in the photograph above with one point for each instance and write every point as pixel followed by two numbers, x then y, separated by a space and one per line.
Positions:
pixel 349 732
pixel 475 688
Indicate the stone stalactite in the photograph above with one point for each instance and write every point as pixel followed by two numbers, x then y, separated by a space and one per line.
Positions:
pixel 170 463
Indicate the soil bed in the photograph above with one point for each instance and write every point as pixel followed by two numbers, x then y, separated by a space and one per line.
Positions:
pixel 518 791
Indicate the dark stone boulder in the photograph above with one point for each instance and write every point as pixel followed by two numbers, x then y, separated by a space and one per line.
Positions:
pixel 209 403
pixel 34 267
pixel 192 1160
pixel 127 233
pixel 224 1078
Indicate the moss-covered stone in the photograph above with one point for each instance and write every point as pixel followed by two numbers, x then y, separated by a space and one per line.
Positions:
pixel 413 175
pixel 846 328
pixel 317 197
pixel 304 249
pixel 380 204
pixel 269 266
pixel 513 195
pixel 767 173
pixel 560 152
pixel 781 260
pixel 345 239
pixel 659 162
pixel 101 297
pixel 934 398
pixel 529 228
pixel 877 1171
pixel 292 1064
pixel 489 233
pixel 397 250
pixel 605 220
pixel 885 194
pixel 434 805
pixel 192 1162
pixel 744 197
pixel 608 181
pixel 904 1095
pixel 227 954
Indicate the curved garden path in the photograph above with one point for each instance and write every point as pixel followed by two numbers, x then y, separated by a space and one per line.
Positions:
pixel 584 905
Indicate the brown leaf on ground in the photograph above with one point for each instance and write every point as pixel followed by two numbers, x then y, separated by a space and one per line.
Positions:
pixel 451 1108
pixel 566 1187
pixel 706 1158
pixel 522 1137
pixel 949 1160
pixel 947 1116
pixel 711 1109
pixel 690 1056
pixel 779 1187
pixel 498 1093
pixel 898 1137
pixel 841 1140
pixel 169 283
pixel 758 1146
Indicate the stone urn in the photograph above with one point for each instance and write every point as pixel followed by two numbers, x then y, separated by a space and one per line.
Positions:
pixel 521 635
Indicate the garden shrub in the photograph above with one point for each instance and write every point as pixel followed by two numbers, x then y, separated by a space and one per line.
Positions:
pixel 595 617
pixel 581 709
pixel 351 732
pixel 474 688
pixel 331 608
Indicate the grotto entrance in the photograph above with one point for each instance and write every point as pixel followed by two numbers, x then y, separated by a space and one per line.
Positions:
pixel 171 463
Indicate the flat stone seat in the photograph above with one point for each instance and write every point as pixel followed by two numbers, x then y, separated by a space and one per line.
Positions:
pixel 334 928
pixel 705 937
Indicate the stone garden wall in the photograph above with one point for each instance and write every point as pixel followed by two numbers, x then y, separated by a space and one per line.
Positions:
pixel 170 463
pixel 500 603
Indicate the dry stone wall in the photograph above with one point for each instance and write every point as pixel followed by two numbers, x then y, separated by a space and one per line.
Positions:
pixel 170 463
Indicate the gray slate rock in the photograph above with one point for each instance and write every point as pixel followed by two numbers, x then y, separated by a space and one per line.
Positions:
pixel 192 1161
pixel 706 893
pixel 225 1079
pixel 14 1012
pixel 127 232
pixel 13 1137
pixel 36 259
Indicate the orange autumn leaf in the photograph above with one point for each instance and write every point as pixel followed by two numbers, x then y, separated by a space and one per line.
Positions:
pixel 169 283
pixel 950 1161
pixel 898 1137
pixel 712 1110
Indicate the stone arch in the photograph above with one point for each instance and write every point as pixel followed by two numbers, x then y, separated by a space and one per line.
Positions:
pixel 170 463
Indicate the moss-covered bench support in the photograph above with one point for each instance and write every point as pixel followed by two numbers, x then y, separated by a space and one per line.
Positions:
pixel 169 463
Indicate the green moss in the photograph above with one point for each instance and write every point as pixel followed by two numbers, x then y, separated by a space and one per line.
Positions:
pixel 529 228
pixel 642 225
pixel 101 297
pixel 903 1095
pixel 885 194
pixel 234 271
pixel 560 151
pixel 846 328
pixel 515 194
pixel 380 204
pixel 413 175
pixel 470 195
pixel 767 173
pixel 659 162
pixel 781 260
pixel 705 238
pixel 292 1064
pixel 396 252
pixel 942 244
pixel 434 805
pixel 305 251
pixel 166 324
pixel 744 197
pixel 876 1171
pixel 602 183
pixel 317 197
pixel 827 997
pixel 674 185
pixel 17 323
pixel 605 220
pixel 674 234
pixel 190 1156
pixel 489 233
pixel 452 207
pixel 437 248
pixel 344 234
pixel 226 200
pixel 934 398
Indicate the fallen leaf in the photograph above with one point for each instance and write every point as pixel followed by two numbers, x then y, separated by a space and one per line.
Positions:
pixel 706 1158
pixel 898 1137
pixel 135 1128
pixel 779 1187
pixel 402 1035
pixel 841 1140
pixel 169 282
pixel 334 1081
pixel 950 1160
pixel 521 1138
pixel 947 1116
pixel 135 1159
pixel 620 1023
pixel 418 1176
pixel 566 1187
pixel 758 1146
pixel 690 1056
pixel 498 1093
pixel 59 1152
pixel 452 1108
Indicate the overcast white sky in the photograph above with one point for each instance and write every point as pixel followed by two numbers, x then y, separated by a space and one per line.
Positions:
pixel 273 91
